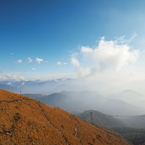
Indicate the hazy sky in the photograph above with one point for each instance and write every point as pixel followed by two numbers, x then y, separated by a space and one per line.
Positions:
pixel 91 39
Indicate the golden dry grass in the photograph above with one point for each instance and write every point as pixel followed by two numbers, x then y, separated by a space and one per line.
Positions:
pixel 24 121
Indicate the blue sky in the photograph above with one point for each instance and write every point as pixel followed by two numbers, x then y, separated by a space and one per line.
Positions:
pixel 46 39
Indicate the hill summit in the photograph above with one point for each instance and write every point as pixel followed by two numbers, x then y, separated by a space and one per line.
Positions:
pixel 26 121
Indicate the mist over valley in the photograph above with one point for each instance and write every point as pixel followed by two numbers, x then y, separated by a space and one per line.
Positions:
pixel 72 96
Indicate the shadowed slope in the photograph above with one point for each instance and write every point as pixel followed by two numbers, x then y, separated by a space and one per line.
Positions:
pixel 27 121
pixel 101 119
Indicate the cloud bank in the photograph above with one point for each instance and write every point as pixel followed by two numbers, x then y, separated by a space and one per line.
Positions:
pixel 11 77
pixel 107 55
pixel 75 62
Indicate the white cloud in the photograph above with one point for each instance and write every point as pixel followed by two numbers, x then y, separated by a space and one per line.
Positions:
pixel 18 61
pixel 11 77
pixel 50 76
pixel 23 83
pixel 108 55
pixel 79 71
pixel 132 74
pixel 86 49
pixel 121 39
pixel 59 63
pixel 133 36
pixel 9 83
pixel 29 60
pixel 75 62
pixel 39 60
pixel 33 69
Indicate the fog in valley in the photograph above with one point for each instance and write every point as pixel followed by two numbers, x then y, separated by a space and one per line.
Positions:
pixel 74 96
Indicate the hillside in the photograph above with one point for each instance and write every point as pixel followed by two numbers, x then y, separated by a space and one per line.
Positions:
pixel 127 130
pixel 135 121
pixel 134 135
pixel 101 119
pixel 27 121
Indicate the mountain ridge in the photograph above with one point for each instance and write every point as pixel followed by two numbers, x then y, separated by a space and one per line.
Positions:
pixel 101 119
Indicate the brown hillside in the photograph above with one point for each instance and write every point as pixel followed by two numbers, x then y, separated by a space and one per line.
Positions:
pixel 24 121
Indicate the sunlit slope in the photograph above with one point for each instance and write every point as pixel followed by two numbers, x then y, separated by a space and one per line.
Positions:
pixel 26 121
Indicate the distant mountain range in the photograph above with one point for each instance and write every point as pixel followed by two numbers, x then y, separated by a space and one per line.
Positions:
pixel 88 100
pixel 33 87
pixel 72 101
pixel 9 88
pixel 61 93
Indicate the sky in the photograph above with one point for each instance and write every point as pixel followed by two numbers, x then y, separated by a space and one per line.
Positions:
pixel 100 40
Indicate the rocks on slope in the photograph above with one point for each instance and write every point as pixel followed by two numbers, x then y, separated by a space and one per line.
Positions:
pixel 26 121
